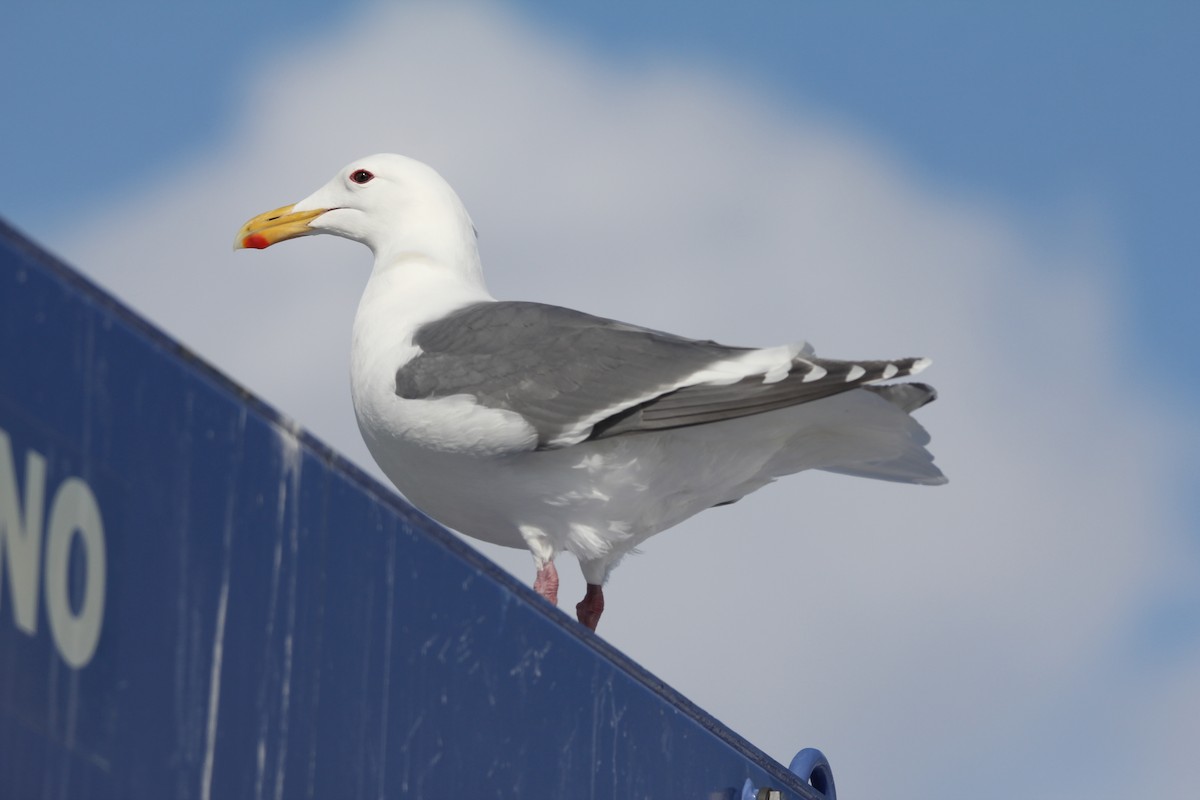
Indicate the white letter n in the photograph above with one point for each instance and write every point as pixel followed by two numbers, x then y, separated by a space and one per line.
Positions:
pixel 22 543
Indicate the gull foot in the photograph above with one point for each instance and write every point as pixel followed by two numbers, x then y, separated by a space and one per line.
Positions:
pixel 589 609
pixel 546 583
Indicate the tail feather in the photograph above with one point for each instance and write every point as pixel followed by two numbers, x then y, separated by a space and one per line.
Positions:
pixel 906 396
pixel 867 434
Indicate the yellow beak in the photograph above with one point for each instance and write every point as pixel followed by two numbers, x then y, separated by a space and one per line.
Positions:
pixel 276 226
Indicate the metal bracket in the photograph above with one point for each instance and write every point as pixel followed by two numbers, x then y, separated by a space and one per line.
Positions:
pixel 811 765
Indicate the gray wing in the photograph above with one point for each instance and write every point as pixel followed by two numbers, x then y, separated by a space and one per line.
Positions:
pixel 703 403
pixel 553 366
pixel 558 368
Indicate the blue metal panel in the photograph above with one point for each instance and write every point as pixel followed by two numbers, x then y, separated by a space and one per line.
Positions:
pixel 272 622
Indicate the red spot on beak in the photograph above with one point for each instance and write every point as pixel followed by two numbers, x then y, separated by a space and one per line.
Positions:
pixel 256 241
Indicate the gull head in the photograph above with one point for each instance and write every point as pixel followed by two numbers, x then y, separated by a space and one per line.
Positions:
pixel 393 204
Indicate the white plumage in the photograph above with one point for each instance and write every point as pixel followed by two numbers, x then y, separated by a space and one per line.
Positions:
pixel 538 427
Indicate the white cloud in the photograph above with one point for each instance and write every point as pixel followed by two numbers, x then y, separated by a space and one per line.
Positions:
pixel 934 642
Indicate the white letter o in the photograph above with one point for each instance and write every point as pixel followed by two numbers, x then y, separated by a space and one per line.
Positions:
pixel 75 509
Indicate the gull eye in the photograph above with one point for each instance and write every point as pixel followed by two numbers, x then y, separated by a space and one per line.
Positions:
pixel 361 176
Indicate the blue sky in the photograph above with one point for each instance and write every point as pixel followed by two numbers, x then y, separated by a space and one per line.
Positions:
pixel 1009 188
pixel 1039 105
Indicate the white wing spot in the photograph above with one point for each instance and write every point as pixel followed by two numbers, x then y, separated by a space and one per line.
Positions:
pixel 890 371
pixel 855 373
pixel 814 374
pixel 920 364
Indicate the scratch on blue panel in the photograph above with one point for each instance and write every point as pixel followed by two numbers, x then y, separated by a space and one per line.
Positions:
pixel 289 487
pixel 489 681
pixel 287 509
pixel 615 721
pixel 387 662
pixel 218 648
pixel 214 684
pixel 428 644
pixel 185 641
pixel 599 692
pixel 441 653
pixel 462 650
pixel 406 749
pixel 263 703
pixel 531 658
pixel 565 755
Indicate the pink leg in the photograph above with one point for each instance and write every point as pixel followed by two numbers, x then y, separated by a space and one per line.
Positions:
pixel 589 609
pixel 546 583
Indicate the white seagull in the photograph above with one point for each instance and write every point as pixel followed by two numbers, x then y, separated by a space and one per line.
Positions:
pixel 540 427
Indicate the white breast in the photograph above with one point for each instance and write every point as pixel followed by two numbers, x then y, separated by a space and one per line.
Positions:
pixel 395 303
